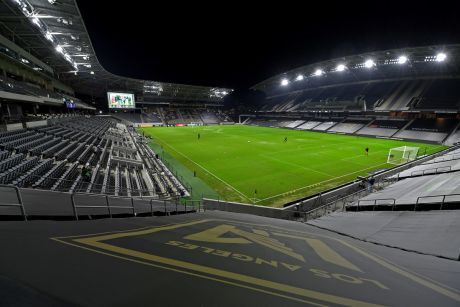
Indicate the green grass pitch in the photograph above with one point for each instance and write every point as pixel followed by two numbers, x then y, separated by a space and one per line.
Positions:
pixel 254 165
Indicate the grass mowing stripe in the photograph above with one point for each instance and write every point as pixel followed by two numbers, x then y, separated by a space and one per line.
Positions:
pixel 257 163
pixel 321 182
pixel 207 171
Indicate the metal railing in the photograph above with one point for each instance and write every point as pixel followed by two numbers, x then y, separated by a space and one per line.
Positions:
pixel 339 203
pixel 436 171
pixel 19 204
pixel 374 201
pixel 107 201
pixel 443 201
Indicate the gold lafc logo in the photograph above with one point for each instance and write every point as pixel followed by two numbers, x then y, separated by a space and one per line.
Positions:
pixel 215 235
pixel 229 234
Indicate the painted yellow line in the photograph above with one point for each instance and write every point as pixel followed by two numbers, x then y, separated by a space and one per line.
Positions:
pixel 274 286
pixel 324 252
pixel 408 275
pixel 140 232
pixel 416 277
pixel 192 274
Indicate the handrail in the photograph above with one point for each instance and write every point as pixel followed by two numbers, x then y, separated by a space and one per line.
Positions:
pixel 107 200
pixel 110 207
pixel 375 201
pixel 436 169
pixel 433 196
pixel 18 195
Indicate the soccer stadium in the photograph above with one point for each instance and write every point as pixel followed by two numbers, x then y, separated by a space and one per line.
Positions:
pixel 341 187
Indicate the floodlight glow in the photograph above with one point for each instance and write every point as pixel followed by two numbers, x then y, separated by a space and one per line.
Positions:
pixel 369 63
pixel 92 72
pixel 402 59
pixel 36 21
pixel 318 72
pixel 299 78
pixel 59 49
pixel 340 67
pixel 284 82
pixel 440 57
pixel 49 36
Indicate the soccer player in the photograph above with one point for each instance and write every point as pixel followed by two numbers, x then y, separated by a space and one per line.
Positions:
pixel 366 151
pixel 199 136
pixel 285 139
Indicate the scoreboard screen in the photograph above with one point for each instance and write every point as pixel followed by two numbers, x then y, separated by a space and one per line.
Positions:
pixel 121 100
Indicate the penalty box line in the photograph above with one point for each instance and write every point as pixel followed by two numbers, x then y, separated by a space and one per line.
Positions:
pixel 229 185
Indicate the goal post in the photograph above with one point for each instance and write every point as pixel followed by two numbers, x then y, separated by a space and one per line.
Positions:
pixel 403 154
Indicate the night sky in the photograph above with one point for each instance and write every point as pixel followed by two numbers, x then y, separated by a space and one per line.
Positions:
pixel 233 45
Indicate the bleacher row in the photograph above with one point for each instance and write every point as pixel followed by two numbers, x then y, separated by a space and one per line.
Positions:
pixel 440 130
pixel 175 116
pixel 52 158
pixel 381 96
pixel 433 184
pixel 24 88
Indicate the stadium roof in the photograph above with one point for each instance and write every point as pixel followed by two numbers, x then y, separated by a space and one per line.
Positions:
pixel 54 32
pixel 415 62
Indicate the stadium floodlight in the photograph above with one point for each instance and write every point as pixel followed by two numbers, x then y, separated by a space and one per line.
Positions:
pixel 440 57
pixel 284 82
pixel 318 72
pixel 299 78
pixel 49 36
pixel 59 49
pixel 340 67
pixel 36 21
pixel 369 63
pixel 402 59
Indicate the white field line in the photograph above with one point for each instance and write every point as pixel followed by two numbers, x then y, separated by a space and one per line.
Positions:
pixel 205 169
pixel 297 165
pixel 318 183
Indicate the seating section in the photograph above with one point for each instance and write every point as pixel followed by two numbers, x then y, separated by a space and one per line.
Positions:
pixel 324 126
pixel 309 125
pixel 434 181
pixel 380 96
pixel 24 88
pixel 434 130
pixel 129 117
pixel 349 126
pixel 383 128
pixel 441 94
pixel 295 124
pixel 53 157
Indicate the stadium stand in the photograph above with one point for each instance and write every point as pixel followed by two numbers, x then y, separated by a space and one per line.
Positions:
pixel 434 182
pixel 349 126
pixel 51 158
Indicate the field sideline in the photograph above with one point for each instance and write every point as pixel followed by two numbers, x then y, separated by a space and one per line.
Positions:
pixel 255 165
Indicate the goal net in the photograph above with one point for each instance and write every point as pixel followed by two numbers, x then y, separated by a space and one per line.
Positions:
pixel 403 154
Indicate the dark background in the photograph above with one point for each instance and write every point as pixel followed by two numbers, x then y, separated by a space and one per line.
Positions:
pixel 235 45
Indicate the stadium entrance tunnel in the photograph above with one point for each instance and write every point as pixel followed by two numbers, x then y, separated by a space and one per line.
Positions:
pixel 215 258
